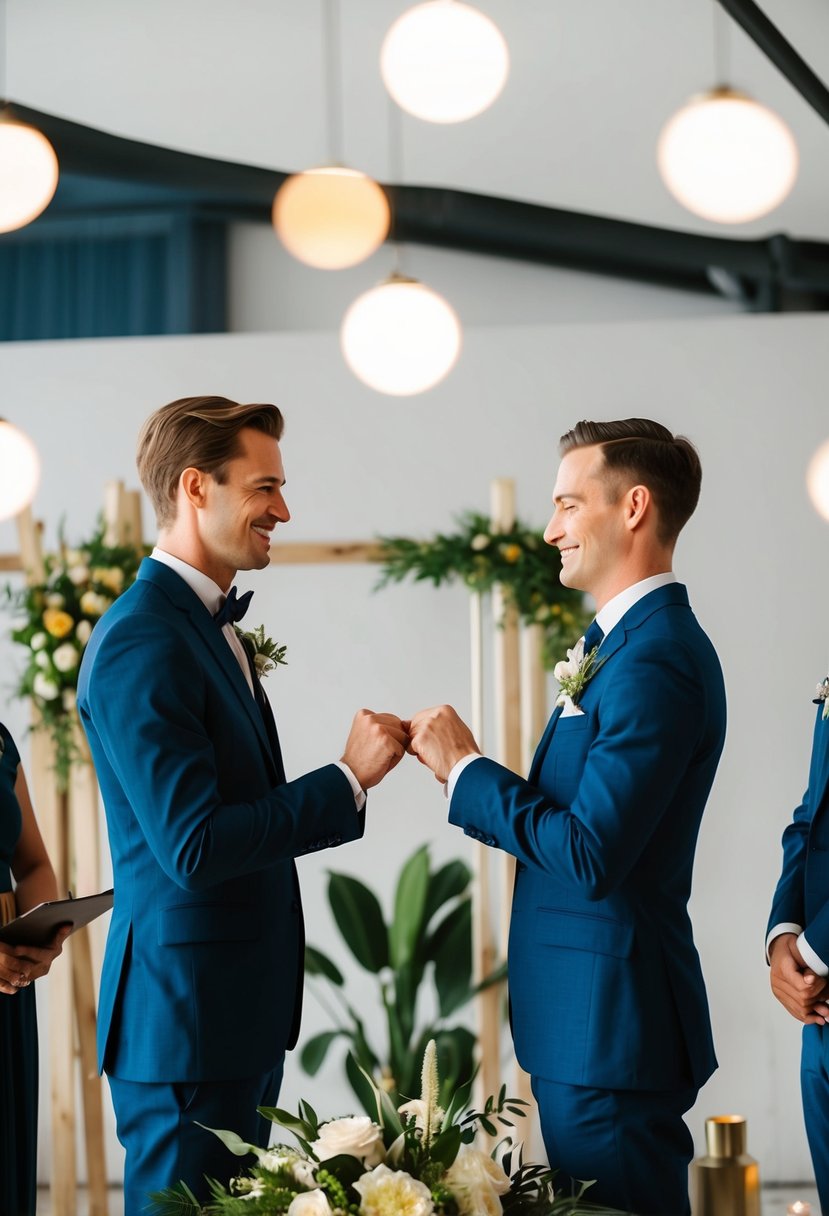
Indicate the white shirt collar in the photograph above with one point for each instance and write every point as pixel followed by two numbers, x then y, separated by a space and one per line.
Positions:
pixel 210 593
pixel 616 608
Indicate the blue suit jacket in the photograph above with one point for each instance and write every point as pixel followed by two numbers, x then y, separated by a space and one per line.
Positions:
pixel 202 977
pixel 605 983
pixel 802 895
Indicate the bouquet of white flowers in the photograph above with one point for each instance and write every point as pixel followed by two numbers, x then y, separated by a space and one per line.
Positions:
pixel 414 1160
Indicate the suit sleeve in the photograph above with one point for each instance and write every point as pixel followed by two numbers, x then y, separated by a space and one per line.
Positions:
pixel 788 905
pixel 651 716
pixel 144 708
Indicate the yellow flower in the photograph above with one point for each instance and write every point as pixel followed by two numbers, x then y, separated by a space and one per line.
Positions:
pixel 58 623
pixel 511 552
pixel 112 577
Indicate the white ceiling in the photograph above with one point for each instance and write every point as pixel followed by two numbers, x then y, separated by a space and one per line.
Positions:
pixel 591 83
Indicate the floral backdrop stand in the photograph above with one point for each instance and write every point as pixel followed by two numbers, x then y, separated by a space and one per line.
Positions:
pixel 68 812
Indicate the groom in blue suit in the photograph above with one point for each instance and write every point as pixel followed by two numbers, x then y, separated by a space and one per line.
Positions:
pixel 608 1005
pixel 202 980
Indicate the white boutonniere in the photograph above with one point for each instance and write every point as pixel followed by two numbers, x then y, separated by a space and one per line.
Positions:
pixel 823 695
pixel 575 672
pixel 266 654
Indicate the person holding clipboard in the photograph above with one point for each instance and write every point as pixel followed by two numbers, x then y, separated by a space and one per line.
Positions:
pixel 26 880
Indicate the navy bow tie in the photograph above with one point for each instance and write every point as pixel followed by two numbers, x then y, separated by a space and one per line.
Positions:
pixel 593 636
pixel 233 609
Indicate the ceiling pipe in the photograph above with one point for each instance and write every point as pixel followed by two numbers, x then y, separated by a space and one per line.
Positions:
pixel 780 51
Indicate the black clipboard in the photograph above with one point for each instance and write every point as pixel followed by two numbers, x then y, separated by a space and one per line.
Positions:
pixel 37 926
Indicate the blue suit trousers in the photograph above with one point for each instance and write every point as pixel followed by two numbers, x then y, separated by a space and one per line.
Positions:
pixel 814 1085
pixel 634 1142
pixel 157 1125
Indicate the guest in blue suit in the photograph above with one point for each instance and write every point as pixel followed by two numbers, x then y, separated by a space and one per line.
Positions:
pixel 798 942
pixel 202 980
pixel 608 1005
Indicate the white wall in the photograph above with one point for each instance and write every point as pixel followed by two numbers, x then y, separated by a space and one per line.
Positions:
pixel 749 391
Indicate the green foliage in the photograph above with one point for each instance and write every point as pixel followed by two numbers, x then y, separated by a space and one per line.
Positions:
pixel 517 560
pixel 54 619
pixel 428 938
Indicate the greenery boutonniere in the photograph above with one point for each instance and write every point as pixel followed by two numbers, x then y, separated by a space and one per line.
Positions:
pixel 266 654
pixel 575 672
pixel 823 695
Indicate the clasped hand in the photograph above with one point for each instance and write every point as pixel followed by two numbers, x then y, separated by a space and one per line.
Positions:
pixel 796 987
pixel 377 743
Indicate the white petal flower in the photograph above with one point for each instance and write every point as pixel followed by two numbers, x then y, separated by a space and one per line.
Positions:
pixel 66 657
pixel 78 575
pixel 386 1192
pixel 69 699
pixel 310 1203
pixel 479 542
pixel 43 660
pixel 45 688
pixel 39 640
pixel 476 1181
pixel 55 600
pixel 355 1135
pixel 83 629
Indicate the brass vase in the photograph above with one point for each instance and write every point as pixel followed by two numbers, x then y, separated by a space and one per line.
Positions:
pixel 726 1181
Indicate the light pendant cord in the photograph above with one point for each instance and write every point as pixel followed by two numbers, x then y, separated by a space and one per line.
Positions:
pixel 332 60
pixel 722 47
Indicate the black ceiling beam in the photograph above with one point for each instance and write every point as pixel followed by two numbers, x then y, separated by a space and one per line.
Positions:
pixel 762 271
pixel 780 51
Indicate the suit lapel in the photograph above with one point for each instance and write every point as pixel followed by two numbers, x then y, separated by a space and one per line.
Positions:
pixel 215 644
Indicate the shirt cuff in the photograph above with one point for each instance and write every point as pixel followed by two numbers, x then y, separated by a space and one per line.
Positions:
pixel 452 779
pixel 784 926
pixel 356 789
pixel 812 960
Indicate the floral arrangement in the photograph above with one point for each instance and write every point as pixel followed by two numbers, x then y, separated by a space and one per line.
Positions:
pixel 413 1160
pixel 575 672
pixel 54 619
pixel 518 560
pixel 823 696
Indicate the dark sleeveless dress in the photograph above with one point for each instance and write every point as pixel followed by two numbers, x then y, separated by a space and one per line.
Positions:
pixel 18 1033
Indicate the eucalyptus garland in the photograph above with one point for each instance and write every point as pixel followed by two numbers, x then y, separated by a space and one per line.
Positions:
pixel 517 559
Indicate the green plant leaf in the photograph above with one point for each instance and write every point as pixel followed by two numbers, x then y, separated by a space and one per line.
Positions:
pixel 356 1072
pixel 312 1056
pixel 176 1200
pixel 235 1144
pixel 445 1147
pixel 359 919
pixel 449 882
pixel 291 1123
pixel 409 903
pixel 317 963
pixel 451 948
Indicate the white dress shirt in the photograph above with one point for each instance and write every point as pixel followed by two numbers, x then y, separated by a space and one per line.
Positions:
pixel 212 596
pixel 607 619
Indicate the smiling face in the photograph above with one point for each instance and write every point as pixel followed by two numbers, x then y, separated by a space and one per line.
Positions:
pixel 235 517
pixel 592 533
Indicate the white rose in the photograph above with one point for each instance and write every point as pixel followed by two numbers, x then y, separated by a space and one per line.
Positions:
pixel 384 1190
pixel 45 688
pixel 83 629
pixel 66 657
pixel 69 699
pixel 476 1181
pixel 55 600
pixel 355 1136
pixel 43 661
pixel 38 641
pixel 78 575
pixel 310 1203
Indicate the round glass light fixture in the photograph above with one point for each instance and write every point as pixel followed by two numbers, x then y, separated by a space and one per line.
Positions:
pixel 727 158
pixel 817 480
pixel 19 470
pixel 444 61
pixel 28 173
pixel 331 217
pixel 400 338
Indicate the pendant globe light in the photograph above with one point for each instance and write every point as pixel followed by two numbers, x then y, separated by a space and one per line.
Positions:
pixel 727 158
pixel 28 172
pixel 331 216
pixel 817 480
pixel 444 61
pixel 400 338
pixel 19 470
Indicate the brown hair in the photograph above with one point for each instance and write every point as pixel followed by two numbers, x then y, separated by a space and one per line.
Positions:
pixel 639 451
pixel 195 432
